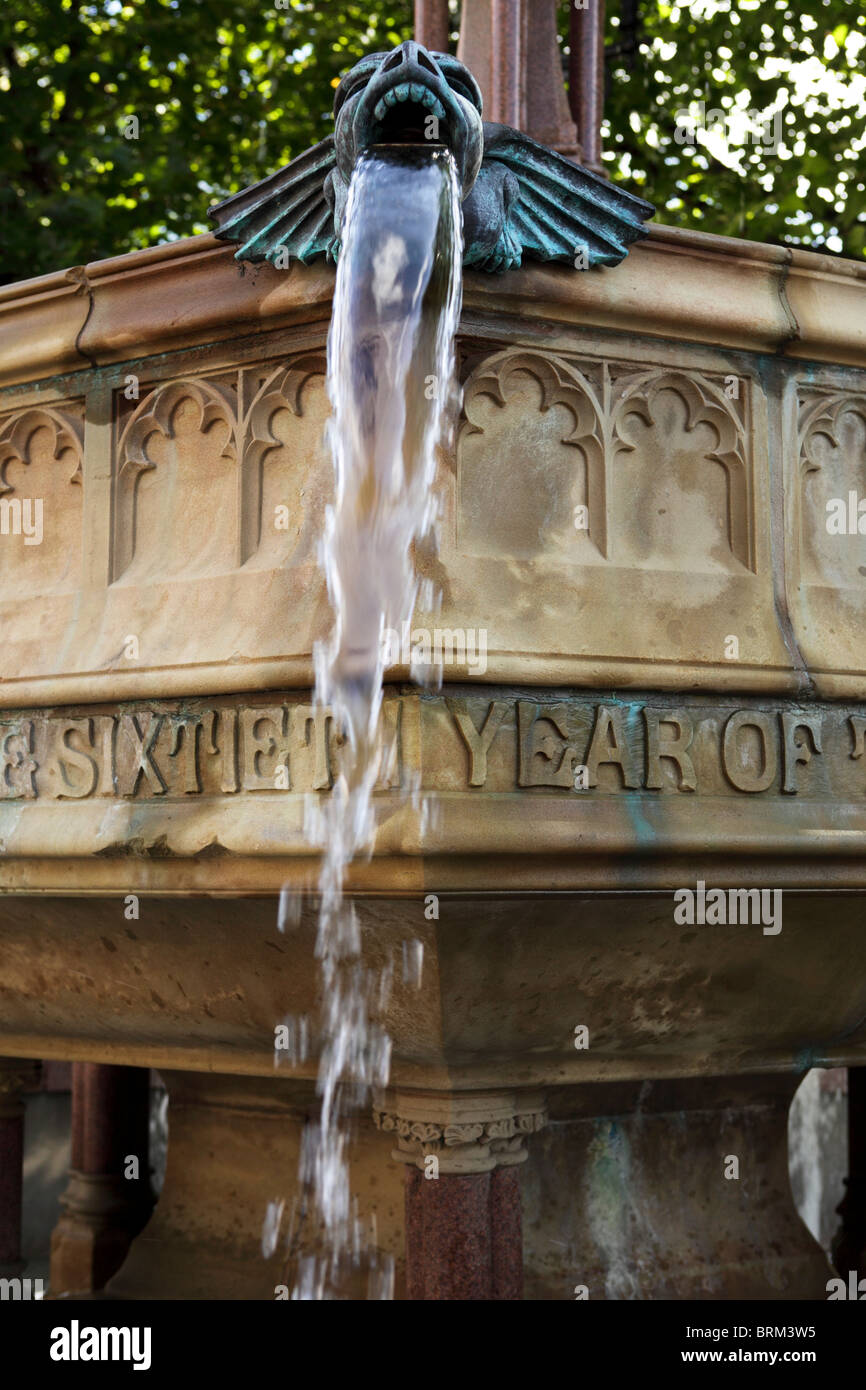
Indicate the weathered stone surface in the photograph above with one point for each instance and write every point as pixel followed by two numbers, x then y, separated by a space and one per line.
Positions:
pixel 506 981
pixel 234 1149
pixel 185 516
pixel 695 411
pixel 211 795
pixel 631 1194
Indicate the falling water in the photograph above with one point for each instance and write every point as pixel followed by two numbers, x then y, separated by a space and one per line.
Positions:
pixel 390 382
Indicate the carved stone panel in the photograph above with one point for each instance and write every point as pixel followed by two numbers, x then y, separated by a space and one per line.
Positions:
pixel 287 469
pixel 41 500
pixel 607 518
pixel 832 429
pixel 650 469
pixel 825 462
pixel 212 473
pixel 610 514
pixel 530 454
pixel 682 490
pixel 176 482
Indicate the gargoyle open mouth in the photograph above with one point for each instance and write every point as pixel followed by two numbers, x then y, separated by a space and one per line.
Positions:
pixel 410 96
pixel 402 116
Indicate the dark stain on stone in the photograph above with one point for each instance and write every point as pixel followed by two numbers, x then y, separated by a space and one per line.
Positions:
pixel 137 848
pixel 213 851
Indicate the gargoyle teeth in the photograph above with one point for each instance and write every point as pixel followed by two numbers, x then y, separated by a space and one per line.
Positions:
pixel 409 91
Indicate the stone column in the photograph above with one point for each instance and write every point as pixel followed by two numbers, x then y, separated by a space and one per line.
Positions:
pixel 234 1150
pixel 105 1204
pixel 586 79
pixel 849 1247
pixel 463 1218
pixel 16 1076
pixel 511 46
pixel 432 24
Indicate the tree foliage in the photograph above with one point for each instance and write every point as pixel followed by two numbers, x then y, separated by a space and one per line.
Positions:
pixel 224 91
pixel 804 59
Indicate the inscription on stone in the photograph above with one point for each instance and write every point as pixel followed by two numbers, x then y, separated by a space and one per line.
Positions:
pixel 631 746
pixel 149 753
pixel 472 743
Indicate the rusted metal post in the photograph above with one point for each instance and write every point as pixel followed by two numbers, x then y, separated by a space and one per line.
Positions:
pixel 586 78
pixel 433 24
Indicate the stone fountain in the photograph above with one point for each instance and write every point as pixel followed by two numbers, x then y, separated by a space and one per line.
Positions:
pixel 666 728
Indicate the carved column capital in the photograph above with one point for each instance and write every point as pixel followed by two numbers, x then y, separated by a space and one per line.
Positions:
pixel 471 1132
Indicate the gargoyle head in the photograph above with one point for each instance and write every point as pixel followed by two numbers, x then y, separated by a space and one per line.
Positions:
pixel 389 99
pixel 520 199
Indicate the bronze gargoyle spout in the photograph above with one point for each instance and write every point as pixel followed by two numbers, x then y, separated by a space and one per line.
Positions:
pixel 519 198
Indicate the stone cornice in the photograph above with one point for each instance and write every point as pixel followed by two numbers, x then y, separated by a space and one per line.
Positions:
pixel 213 794
pixel 678 284
pixel 40 324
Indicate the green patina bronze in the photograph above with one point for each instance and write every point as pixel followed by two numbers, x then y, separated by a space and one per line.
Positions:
pixel 519 198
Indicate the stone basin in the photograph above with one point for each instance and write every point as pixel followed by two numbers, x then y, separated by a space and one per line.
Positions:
pixel 672 694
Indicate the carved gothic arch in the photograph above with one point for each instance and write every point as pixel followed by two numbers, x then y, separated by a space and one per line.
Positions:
pixel 561 384
pixel 706 403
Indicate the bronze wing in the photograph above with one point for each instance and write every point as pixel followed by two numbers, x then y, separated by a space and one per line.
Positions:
pixel 286 212
pixel 563 209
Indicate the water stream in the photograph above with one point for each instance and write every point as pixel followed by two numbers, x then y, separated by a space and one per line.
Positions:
pixel 391 386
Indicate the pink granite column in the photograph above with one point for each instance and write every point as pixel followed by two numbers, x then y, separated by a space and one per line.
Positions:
pixel 506 1235
pixel 464 1232
pixel 508 34
pixel 432 24
pixel 586 79
pixel 450 1239
pixel 512 47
